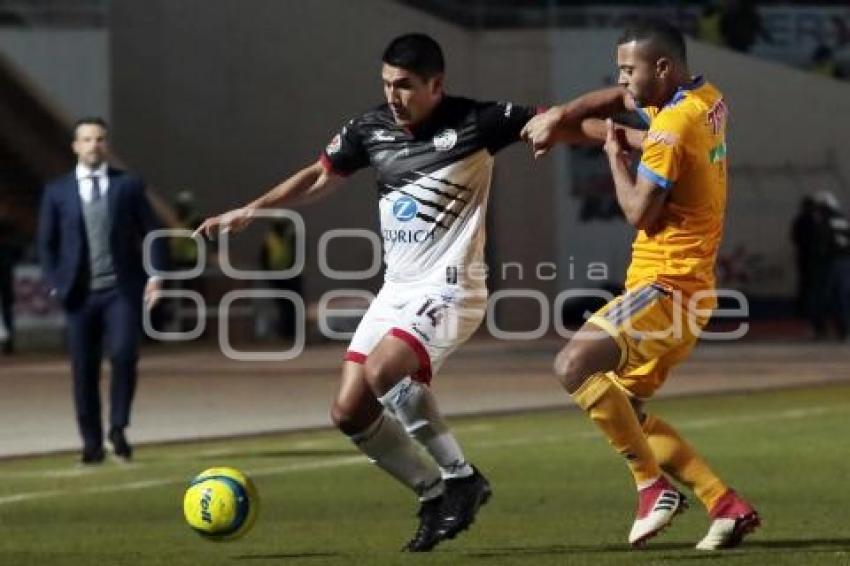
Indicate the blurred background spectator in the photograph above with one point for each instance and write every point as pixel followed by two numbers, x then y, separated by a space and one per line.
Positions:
pixel 184 250
pixel 278 254
pixel 830 268
pixel 803 236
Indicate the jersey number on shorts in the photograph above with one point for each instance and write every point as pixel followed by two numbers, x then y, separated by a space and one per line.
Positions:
pixel 434 313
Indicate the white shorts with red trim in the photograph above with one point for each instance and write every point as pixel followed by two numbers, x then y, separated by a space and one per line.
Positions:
pixel 433 321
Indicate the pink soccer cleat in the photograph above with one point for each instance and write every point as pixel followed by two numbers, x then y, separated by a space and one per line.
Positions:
pixel 657 505
pixel 733 519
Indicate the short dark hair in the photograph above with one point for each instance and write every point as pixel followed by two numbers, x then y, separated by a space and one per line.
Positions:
pixel 664 38
pixel 416 52
pixel 89 121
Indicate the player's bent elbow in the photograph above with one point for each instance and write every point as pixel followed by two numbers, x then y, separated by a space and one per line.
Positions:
pixel 637 220
pixel 642 218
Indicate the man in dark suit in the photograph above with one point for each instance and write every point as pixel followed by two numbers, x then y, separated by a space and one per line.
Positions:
pixel 91 231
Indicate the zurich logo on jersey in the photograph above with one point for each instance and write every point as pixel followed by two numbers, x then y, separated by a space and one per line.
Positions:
pixel 405 209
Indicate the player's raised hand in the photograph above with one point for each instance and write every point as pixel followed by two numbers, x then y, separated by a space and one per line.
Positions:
pixel 234 221
pixel 541 131
pixel 616 144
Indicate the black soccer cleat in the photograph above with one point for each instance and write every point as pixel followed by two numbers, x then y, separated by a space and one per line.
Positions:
pixel 462 500
pixel 427 534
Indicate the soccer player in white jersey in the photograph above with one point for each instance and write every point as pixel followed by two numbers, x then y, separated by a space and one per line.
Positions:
pixel 433 155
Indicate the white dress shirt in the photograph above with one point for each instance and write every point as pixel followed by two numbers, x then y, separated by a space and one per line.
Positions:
pixel 84 180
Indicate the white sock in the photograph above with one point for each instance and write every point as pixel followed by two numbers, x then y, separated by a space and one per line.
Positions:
pixel 415 407
pixel 386 445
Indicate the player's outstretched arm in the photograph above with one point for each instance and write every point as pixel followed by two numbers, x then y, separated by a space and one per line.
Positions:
pixel 307 185
pixel 565 123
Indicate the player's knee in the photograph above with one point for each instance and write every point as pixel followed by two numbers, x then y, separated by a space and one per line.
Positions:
pixel 352 417
pixel 637 405
pixel 344 419
pixel 570 369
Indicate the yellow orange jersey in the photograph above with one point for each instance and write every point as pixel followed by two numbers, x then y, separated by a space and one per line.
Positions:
pixel 684 153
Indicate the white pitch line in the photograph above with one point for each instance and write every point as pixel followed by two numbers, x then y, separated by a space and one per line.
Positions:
pixel 790 414
pixel 339 461
pixel 214 452
pixel 74 471
pixel 144 484
pixel 30 496
pixel 695 424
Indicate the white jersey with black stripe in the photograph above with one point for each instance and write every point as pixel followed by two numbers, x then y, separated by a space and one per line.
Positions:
pixel 433 184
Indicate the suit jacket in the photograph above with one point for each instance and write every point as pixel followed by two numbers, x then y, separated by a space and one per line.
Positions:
pixel 63 246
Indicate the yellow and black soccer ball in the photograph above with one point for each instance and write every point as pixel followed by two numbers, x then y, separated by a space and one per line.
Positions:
pixel 221 504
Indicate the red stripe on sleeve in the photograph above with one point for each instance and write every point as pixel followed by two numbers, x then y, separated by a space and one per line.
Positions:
pixel 329 167
pixel 356 357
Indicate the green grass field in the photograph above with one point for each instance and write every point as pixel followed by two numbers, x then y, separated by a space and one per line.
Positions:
pixel 561 495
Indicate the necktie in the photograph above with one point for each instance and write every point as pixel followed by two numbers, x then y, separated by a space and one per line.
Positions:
pixel 95 187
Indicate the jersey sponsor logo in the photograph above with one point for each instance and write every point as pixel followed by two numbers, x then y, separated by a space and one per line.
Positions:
pixel 508 107
pixel 334 145
pixel 445 140
pixel 405 208
pixel 717 153
pixel 716 116
pixel 407 236
pixel 659 136
pixel 382 136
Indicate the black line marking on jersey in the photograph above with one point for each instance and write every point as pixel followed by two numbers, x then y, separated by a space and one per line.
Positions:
pixel 435 221
pixel 449 221
pixel 441 180
pixel 434 190
pixel 384 146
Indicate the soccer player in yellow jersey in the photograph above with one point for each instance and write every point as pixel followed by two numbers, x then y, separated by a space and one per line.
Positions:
pixel 624 352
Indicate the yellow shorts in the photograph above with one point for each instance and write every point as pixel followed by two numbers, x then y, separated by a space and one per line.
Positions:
pixel 654 333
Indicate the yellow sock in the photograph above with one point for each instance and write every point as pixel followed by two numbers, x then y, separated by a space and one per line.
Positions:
pixel 609 407
pixel 680 460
